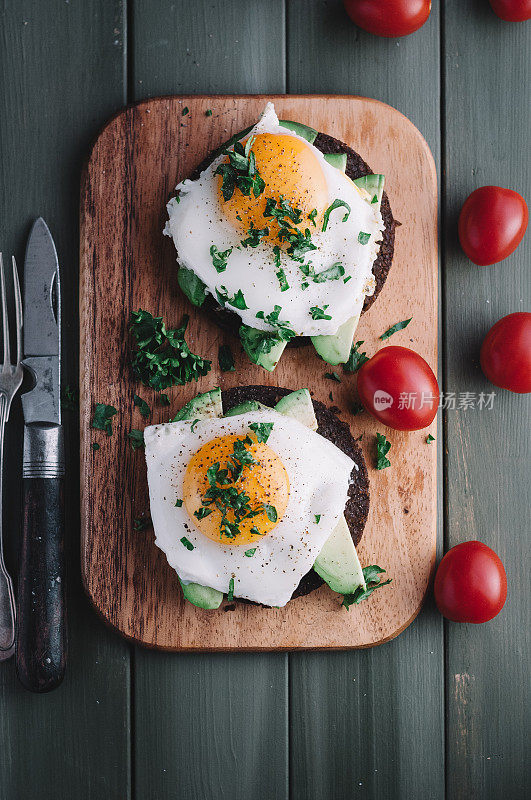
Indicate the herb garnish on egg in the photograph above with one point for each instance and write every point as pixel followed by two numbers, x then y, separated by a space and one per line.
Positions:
pixel 220 257
pixel 336 204
pixel 284 331
pixel 319 313
pixel 227 496
pixel 240 172
pixel 238 301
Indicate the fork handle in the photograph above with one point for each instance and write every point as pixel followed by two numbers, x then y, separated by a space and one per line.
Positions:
pixel 41 631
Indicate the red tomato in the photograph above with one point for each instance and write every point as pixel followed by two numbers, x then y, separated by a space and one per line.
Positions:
pixel 399 388
pixel 470 583
pixel 506 353
pixel 512 10
pixel 492 223
pixel 388 17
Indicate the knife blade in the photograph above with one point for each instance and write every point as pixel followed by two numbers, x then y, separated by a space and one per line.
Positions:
pixel 41 631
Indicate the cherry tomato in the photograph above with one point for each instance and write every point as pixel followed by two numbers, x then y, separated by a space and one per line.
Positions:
pixel 470 583
pixel 506 353
pixel 512 10
pixel 399 388
pixel 492 223
pixel 389 17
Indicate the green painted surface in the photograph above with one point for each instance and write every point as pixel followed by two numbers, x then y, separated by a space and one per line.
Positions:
pixel 425 716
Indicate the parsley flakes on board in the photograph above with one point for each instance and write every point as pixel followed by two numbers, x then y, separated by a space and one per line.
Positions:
pixel 103 415
pixel 163 358
pixel 398 326
pixel 382 448
pixel 136 438
pixel 355 359
pixel 142 406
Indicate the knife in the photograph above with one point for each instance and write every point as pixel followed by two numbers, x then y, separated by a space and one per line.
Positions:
pixel 41 631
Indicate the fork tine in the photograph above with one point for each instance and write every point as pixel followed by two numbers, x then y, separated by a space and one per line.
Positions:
pixel 18 310
pixel 5 321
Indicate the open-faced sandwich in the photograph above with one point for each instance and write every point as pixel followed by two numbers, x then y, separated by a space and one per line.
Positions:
pixel 259 494
pixel 284 234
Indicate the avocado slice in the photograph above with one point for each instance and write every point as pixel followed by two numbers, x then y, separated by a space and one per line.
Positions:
pixel 299 406
pixel 336 349
pixel 373 184
pixel 245 408
pixel 203 406
pixel 192 286
pixel 262 347
pixel 338 562
pixel 201 596
pixel 337 160
pixel 310 134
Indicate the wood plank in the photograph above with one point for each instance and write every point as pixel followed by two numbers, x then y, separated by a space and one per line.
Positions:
pixel 370 717
pixel 489 62
pixel 179 47
pixel 54 94
pixel 143 599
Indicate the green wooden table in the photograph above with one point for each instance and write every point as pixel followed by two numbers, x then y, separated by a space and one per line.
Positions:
pixel 441 711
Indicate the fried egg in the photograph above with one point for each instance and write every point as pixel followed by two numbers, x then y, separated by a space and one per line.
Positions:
pixel 296 490
pixel 202 224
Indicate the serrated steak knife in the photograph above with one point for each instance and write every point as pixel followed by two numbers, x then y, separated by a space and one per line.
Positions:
pixel 41 635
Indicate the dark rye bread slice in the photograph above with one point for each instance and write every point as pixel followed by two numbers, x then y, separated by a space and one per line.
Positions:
pixel 356 168
pixel 336 431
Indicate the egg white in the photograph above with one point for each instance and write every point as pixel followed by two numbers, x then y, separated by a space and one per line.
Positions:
pixel 196 222
pixel 318 474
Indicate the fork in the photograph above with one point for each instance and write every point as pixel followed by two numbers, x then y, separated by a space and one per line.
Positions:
pixel 10 381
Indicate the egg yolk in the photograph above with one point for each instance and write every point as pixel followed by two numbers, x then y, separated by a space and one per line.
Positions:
pixel 290 170
pixel 264 482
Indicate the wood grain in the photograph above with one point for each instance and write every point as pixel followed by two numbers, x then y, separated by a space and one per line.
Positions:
pixel 136 161
pixel 489 457
pixel 61 76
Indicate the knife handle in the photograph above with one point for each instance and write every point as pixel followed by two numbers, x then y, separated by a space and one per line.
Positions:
pixel 41 629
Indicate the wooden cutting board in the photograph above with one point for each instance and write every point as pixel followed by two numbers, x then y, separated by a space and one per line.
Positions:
pixel 126 263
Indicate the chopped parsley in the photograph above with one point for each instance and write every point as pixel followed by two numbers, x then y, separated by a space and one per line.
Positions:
pixel 254 236
pixel 284 331
pixel 430 438
pixel 238 301
pixel 346 280
pixel 281 211
pixel 163 357
pixel 372 581
pixel 136 438
pixel 187 543
pixel 281 275
pixel 299 243
pixel 262 430
pixel 103 415
pixel 230 593
pixel 69 399
pixel 333 273
pixel 382 448
pixel 355 359
pixel 312 215
pixel 95 446
pixel 185 111
pixel 287 218
pixel 257 343
pixel 363 238
pixel 226 495
pixel 219 257
pixel 333 376
pixel 208 112
pixel 336 204
pixel 193 424
pixel 142 406
pixel 271 512
pixel 178 503
pixel 317 519
pixel 226 359
pixel 141 523
pixel 398 326
pixel 319 313
pixel 250 553
pixel 240 172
